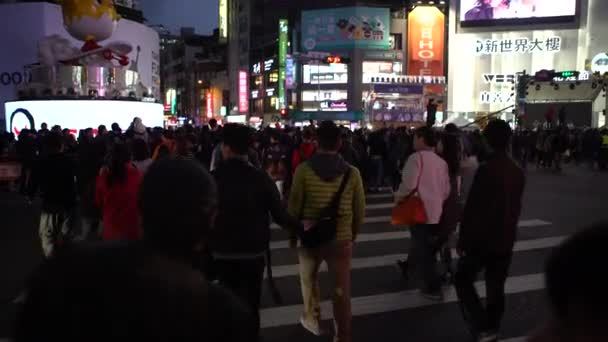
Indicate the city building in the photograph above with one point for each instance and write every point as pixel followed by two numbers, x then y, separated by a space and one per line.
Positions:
pixel 279 58
pixel 487 57
pixel 193 70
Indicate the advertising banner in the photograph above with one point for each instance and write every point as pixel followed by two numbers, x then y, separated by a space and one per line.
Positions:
pixel 283 37
pixel 80 114
pixel 223 20
pixel 243 92
pixel 426 37
pixel 346 28
pixel 474 12
pixel 397 89
pixel 409 107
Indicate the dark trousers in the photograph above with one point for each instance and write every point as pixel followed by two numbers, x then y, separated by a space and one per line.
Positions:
pixel 425 245
pixel 496 269
pixel 244 278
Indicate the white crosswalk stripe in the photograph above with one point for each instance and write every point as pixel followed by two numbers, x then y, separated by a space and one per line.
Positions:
pixel 380 196
pixel 387 219
pixel 387 302
pixel 387 260
pixel 402 233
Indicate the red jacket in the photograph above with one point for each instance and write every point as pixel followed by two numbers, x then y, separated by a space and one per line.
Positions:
pixel 118 204
pixel 301 154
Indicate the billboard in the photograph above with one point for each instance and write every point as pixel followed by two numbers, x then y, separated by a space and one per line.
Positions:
pixel 283 40
pixel 346 28
pixel 80 114
pixel 45 19
pixel 426 39
pixel 223 20
pixel 243 92
pixel 496 12
pixel 409 107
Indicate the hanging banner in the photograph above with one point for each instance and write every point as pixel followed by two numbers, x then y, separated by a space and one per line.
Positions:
pixel 243 92
pixel 283 31
pixel 223 20
pixel 426 37
pixel 209 99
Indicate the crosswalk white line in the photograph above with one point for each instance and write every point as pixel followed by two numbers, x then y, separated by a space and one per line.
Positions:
pixel 389 302
pixel 371 219
pixel 380 206
pixel 363 237
pixel 390 259
pixel 387 219
pixel 401 233
pixel 515 339
pixel 379 196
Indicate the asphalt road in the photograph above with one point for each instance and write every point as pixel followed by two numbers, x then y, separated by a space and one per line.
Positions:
pixel 384 306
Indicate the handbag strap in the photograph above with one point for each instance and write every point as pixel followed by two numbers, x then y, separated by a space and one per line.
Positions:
pixel 419 172
pixel 335 202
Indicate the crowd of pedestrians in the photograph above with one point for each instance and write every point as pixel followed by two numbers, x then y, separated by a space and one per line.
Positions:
pixel 184 222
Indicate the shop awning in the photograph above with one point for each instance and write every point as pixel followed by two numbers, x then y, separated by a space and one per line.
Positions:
pixel 322 116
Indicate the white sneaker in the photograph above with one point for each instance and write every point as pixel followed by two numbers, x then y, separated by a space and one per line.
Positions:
pixel 311 325
pixel 488 337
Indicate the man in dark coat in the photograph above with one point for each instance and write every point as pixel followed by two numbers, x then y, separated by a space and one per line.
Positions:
pixel 488 232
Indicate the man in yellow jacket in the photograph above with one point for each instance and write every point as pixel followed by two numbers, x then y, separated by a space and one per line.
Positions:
pixel 314 185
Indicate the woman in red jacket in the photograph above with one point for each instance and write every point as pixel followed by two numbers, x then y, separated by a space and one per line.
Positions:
pixel 116 196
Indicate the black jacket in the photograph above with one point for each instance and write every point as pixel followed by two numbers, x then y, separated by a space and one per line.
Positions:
pixel 54 176
pixel 491 214
pixel 247 198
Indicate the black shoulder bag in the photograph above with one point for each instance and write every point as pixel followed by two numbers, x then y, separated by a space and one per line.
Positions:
pixel 325 229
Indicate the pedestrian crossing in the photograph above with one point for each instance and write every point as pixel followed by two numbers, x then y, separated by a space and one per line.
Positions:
pixel 379 289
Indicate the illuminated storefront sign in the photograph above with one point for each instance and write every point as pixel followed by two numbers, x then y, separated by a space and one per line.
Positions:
pixel 283 30
pixel 269 64
pixel 499 78
pixel 256 69
pixel 264 66
pixel 333 105
pixel 69 114
pixel 325 74
pixel 517 45
pixel 223 19
pixel 270 91
pixel 381 67
pixel 290 70
pixel 209 105
pixel 408 79
pixel 255 94
pixel 325 95
pixel 243 92
pixel 171 99
pixel 571 76
pixel 426 36
pixel 505 83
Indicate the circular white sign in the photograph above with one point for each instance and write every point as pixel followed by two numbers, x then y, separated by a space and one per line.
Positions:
pixel 600 63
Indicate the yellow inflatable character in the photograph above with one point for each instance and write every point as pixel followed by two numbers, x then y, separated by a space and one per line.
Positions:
pixel 90 21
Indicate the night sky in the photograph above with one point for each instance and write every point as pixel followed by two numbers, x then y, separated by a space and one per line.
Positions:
pixel 200 14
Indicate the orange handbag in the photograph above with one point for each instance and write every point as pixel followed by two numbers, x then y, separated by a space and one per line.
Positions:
pixel 410 210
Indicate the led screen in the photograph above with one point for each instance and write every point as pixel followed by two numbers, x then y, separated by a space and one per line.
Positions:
pixel 493 12
pixel 80 114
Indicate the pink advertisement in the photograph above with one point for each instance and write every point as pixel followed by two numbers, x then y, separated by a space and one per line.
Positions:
pixel 492 10
pixel 243 92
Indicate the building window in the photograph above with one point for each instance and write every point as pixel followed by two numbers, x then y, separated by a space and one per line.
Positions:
pixel 325 74
pixel 273 77
pixel 396 41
